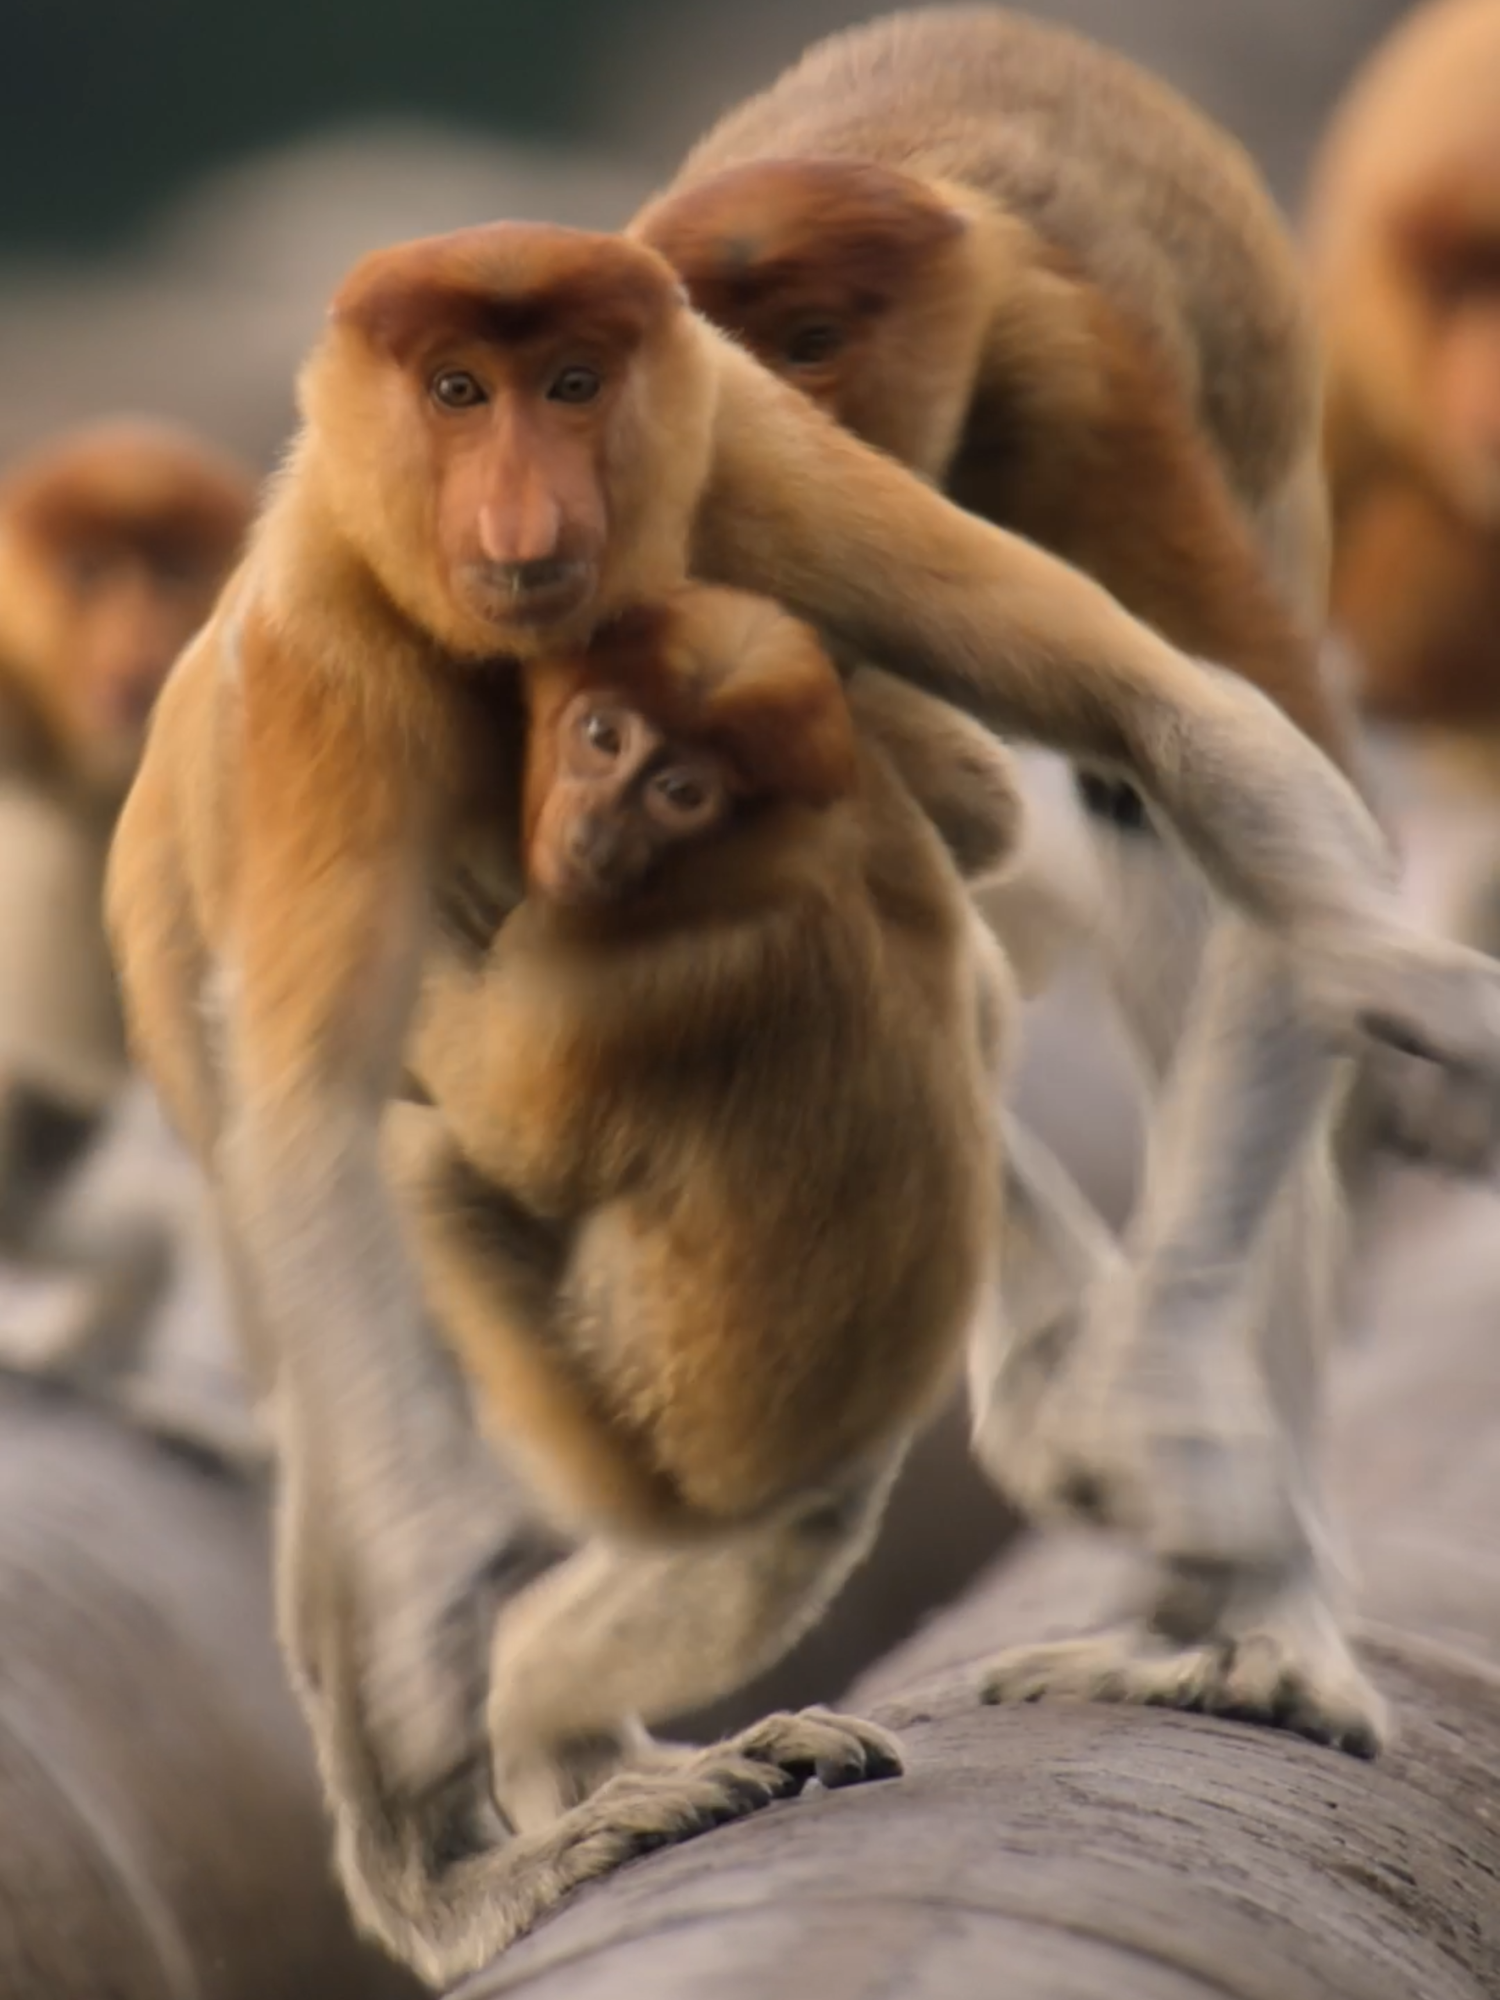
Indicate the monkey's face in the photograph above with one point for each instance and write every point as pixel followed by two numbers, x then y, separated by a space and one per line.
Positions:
pixel 1442 350
pixel 622 796
pixel 492 408
pixel 1464 371
pixel 846 280
pixel 123 612
pixel 111 556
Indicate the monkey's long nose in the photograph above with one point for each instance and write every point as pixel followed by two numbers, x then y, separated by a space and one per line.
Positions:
pixel 520 530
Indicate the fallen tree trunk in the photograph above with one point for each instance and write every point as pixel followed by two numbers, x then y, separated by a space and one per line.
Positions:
pixel 1092 1853
pixel 161 1831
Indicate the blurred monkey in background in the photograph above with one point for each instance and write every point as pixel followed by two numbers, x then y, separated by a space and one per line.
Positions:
pixel 1403 238
pixel 114 542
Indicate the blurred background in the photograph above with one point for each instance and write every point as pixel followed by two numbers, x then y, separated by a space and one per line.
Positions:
pixel 183 181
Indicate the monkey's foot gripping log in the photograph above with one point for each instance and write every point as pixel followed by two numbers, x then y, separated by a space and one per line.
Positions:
pixel 1287 1664
pixel 485 1901
pixel 1111 1852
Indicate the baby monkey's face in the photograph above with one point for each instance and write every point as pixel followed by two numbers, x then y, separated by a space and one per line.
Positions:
pixel 624 794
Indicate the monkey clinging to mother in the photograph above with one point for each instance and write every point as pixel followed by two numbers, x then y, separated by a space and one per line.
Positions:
pixel 560 833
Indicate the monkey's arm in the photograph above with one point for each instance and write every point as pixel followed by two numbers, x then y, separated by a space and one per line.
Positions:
pixel 1129 489
pixel 961 777
pixel 1037 650
pixel 390 1507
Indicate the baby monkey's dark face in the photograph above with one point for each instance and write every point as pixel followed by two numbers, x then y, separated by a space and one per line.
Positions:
pixel 624 794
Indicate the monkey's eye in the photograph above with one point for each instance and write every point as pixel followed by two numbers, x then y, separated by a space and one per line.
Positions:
pixel 682 797
pixel 602 732
pixel 86 570
pixel 177 569
pixel 457 389
pixel 575 385
pixel 810 345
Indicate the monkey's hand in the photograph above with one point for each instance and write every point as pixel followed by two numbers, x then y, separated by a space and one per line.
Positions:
pixel 1428 1012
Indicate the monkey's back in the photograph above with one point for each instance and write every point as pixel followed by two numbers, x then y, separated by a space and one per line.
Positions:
pixel 782 1287
pixel 1151 201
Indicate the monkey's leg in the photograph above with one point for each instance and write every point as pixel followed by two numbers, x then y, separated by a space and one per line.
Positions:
pixel 1054 1252
pixel 1165 1396
pixel 1261 1644
pixel 1161 1418
pixel 578 1656
pixel 618 1636
pixel 398 1532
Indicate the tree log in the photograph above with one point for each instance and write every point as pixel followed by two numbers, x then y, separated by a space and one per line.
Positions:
pixel 1098 1853
pixel 161 1831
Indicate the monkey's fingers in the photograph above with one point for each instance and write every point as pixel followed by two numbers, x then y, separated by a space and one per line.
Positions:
pixel 837 1750
pixel 447 1918
pixel 640 1810
pixel 1444 1119
pixel 1424 997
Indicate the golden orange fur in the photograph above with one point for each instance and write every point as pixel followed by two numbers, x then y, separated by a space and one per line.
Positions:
pixel 114 541
pixel 1024 268
pixel 744 1101
pixel 511 437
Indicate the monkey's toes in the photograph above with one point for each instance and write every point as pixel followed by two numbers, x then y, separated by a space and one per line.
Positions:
pixel 837 1750
pixel 1320 1693
pixel 635 1813
pixel 1125 1665
pixel 1317 1692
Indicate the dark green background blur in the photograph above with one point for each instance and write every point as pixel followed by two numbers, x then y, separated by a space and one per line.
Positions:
pixel 110 107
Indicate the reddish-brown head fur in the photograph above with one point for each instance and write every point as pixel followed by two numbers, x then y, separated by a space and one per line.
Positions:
pixel 114 542
pixel 715 675
pixel 843 277
pixel 511 425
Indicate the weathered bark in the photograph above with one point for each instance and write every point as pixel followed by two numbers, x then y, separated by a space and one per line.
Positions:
pixel 161 1833
pixel 1107 1854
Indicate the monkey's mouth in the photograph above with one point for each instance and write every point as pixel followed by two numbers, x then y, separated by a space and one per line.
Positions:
pixel 595 876
pixel 536 593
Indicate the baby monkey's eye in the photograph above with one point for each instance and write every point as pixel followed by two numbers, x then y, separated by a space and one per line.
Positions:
pixel 684 797
pixel 816 341
pixel 575 385
pixel 457 389
pixel 601 732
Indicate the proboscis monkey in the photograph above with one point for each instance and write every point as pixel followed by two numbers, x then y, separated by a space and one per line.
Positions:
pixel 510 435
pixel 744 962
pixel 114 541
pixel 1032 273
pixel 1403 237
